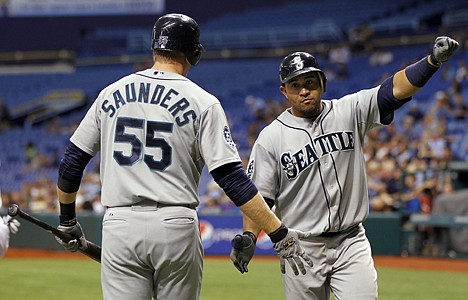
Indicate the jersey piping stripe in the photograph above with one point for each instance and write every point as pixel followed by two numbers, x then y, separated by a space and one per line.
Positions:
pixel 334 168
pixel 165 79
pixel 319 168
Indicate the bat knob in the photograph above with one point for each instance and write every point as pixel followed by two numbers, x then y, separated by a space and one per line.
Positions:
pixel 13 210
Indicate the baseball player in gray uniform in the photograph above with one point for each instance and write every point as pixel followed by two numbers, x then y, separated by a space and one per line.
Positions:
pixel 309 165
pixel 155 131
pixel 7 226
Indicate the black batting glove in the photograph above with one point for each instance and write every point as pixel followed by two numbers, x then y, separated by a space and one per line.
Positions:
pixel 443 49
pixel 243 249
pixel 76 231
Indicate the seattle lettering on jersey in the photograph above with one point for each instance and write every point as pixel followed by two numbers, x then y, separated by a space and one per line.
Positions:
pixel 294 164
pixel 151 94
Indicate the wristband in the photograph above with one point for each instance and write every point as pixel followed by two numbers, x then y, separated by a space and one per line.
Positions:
pixel 67 214
pixel 434 60
pixel 252 236
pixel 278 234
pixel 419 73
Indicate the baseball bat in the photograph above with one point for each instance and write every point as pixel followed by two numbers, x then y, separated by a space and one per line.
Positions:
pixel 92 250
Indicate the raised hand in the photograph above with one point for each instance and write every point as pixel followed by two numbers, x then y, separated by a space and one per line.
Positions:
pixel 444 47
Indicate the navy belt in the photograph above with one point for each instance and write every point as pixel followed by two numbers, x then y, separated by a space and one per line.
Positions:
pixel 159 205
pixel 336 233
pixel 151 203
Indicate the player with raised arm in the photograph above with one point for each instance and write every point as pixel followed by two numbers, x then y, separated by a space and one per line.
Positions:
pixel 155 131
pixel 309 164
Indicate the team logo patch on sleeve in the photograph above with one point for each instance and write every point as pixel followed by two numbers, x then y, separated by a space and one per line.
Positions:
pixel 228 138
pixel 250 169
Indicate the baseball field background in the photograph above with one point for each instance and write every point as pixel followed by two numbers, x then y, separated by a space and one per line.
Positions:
pixel 43 275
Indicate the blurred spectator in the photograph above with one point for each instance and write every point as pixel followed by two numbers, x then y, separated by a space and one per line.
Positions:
pixel 380 199
pixel 215 201
pixel 330 73
pixel 409 128
pixel 459 107
pixel 461 73
pixel 415 112
pixel 41 195
pixel 30 152
pixel 380 57
pixel 426 199
pixel 440 109
pixel 90 192
pixel 360 38
pixel 410 193
pixel 340 56
pixel 4 10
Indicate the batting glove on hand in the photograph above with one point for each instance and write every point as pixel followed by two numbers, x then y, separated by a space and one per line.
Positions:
pixel 75 244
pixel 444 47
pixel 290 249
pixel 12 224
pixel 243 249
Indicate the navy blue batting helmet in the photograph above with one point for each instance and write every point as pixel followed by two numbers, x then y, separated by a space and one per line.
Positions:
pixel 178 32
pixel 298 63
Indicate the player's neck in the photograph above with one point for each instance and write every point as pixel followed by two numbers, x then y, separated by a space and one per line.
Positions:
pixel 171 67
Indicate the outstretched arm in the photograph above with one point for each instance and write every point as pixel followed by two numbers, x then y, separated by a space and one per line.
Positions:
pixel 409 81
pixel 398 89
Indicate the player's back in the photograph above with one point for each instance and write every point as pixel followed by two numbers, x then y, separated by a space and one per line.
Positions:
pixel 149 127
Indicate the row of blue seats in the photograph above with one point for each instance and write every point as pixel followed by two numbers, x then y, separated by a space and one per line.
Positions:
pixel 17 89
pixel 306 22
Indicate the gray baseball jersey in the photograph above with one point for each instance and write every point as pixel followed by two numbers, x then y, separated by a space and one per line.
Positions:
pixel 4 238
pixel 313 169
pixel 155 131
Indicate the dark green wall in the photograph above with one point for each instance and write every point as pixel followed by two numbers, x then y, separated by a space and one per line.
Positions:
pixel 384 233
pixel 33 237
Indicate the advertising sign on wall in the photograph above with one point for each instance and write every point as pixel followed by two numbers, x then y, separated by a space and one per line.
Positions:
pixel 218 231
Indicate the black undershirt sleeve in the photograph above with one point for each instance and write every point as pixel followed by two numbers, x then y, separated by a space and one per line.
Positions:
pixel 71 168
pixel 234 181
pixel 387 102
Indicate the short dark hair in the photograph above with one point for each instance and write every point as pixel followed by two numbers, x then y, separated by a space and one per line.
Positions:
pixel 165 55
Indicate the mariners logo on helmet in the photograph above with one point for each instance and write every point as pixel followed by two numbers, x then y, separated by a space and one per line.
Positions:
pixel 162 41
pixel 298 63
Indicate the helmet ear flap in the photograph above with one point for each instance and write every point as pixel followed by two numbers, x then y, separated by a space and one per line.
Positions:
pixel 323 81
pixel 194 57
pixel 197 55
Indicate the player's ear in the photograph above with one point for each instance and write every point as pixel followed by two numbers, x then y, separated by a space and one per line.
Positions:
pixel 283 90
